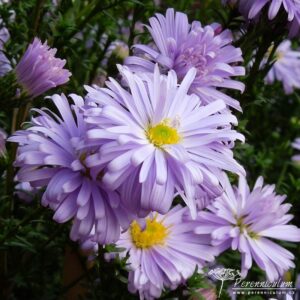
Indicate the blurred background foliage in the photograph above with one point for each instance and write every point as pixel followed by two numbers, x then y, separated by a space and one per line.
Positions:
pixel 36 254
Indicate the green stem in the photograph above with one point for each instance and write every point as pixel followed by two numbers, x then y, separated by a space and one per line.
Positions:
pixel 221 289
pixel 37 16
pixel 136 11
pixel 282 174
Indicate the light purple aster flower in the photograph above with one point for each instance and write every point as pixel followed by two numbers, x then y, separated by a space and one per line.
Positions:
pixel 39 70
pixel 89 246
pixel 52 154
pixel 118 49
pixel 181 46
pixel 296 145
pixel 26 192
pixel 163 252
pixel 205 195
pixel 162 137
pixel 5 65
pixel 4 36
pixel 246 220
pixel 292 7
pixel 286 68
pixel 251 9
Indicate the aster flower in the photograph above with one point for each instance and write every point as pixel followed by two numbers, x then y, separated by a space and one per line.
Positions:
pixel 52 154
pixel 286 67
pixel 252 9
pixel 292 8
pixel 4 36
pixel 117 50
pixel 89 246
pixel 39 70
pixel 161 137
pixel 206 194
pixel 180 46
pixel 246 220
pixel 163 252
pixel 296 145
pixel 5 65
pixel 26 192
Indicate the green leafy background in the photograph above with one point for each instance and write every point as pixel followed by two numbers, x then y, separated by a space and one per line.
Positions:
pixel 33 248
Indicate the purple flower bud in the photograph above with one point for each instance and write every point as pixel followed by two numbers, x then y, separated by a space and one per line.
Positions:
pixel 39 70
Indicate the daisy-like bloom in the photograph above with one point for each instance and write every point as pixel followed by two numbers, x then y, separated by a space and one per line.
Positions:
pixel 5 66
pixel 26 192
pixel 163 251
pixel 4 36
pixel 161 137
pixel 251 9
pixel 292 7
pixel 39 70
pixel 246 220
pixel 206 194
pixel 89 247
pixel 51 154
pixel 118 50
pixel 286 67
pixel 180 46
pixel 296 145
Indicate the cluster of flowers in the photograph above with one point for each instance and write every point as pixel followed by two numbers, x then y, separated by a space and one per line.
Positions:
pixel 251 9
pixel 114 161
pixel 286 67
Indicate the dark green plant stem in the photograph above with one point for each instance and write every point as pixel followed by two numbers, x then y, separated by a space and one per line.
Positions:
pixel 136 12
pixel 98 60
pixel 271 60
pixel 19 116
pixel 37 17
pixel 282 174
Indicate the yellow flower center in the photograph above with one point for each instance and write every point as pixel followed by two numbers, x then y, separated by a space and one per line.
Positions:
pixel 162 134
pixel 278 54
pixel 244 227
pixel 154 233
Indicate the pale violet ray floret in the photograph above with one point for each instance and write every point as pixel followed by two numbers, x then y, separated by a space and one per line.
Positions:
pixel 180 46
pixel 5 65
pixel 286 67
pixel 163 252
pixel 252 9
pixel 52 154
pixel 248 221
pixel 296 145
pixel 291 7
pixel 161 136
